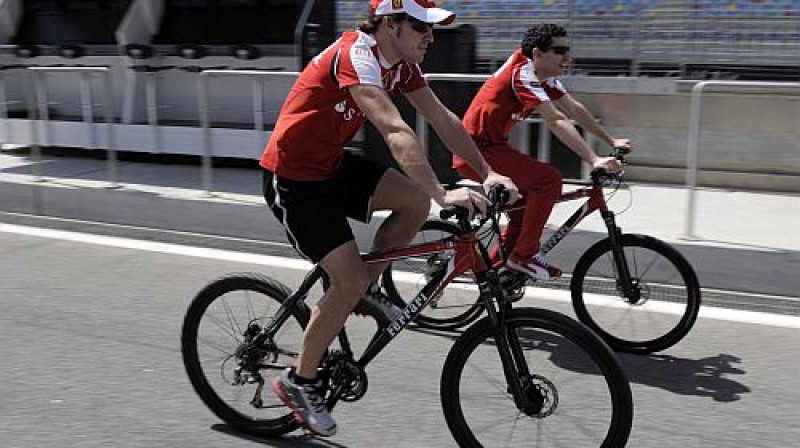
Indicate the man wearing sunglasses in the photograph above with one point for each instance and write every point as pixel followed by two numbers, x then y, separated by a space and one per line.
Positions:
pixel 313 186
pixel 525 83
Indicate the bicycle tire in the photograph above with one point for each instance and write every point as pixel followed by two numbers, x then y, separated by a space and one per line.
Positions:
pixel 456 308
pixel 668 285
pixel 219 302
pixel 588 398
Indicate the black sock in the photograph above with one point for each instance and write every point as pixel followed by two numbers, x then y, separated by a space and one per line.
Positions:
pixel 302 381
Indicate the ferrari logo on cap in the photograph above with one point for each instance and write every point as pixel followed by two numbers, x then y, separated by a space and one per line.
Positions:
pixel 397 4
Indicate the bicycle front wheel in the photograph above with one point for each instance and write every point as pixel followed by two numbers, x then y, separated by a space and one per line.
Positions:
pixel 577 395
pixel 220 319
pixel 458 305
pixel 653 312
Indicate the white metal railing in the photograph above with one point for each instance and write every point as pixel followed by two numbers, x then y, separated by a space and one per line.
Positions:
pixel 257 77
pixel 693 148
pixel 87 107
pixel 38 111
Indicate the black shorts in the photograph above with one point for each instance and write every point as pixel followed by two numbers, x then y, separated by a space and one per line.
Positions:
pixel 314 213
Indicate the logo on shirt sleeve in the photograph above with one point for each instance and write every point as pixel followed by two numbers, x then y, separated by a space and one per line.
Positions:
pixel 348 113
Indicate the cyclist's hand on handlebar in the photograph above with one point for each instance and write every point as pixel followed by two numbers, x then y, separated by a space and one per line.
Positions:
pixel 610 164
pixel 466 198
pixel 498 179
pixel 623 145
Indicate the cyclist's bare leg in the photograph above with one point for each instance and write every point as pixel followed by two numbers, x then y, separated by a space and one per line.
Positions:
pixel 409 206
pixel 348 280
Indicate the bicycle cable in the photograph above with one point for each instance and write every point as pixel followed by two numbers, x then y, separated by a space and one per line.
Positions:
pixel 618 183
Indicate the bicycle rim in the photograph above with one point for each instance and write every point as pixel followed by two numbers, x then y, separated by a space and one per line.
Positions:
pixel 215 327
pixel 404 278
pixel 585 395
pixel 667 297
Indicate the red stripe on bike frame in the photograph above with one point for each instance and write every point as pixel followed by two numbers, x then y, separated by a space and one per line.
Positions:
pixel 467 255
pixel 467 258
pixel 410 251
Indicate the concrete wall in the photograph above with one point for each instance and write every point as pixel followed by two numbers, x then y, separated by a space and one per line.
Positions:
pixel 749 137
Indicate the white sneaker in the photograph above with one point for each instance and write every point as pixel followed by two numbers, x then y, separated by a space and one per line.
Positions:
pixel 535 268
pixel 306 402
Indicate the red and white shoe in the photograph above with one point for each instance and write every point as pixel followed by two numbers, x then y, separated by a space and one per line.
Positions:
pixel 535 268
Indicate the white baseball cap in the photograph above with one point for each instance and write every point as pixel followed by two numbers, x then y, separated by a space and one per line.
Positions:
pixel 424 10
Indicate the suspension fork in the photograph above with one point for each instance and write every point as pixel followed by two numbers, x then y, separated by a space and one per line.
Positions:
pixel 625 281
pixel 515 368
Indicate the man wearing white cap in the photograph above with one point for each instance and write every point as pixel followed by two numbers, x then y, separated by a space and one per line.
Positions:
pixel 313 186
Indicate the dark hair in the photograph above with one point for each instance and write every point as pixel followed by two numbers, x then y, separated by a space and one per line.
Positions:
pixel 541 37
pixel 370 26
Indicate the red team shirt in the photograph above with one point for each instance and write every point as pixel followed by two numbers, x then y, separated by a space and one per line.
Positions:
pixel 512 93
pixel 320 116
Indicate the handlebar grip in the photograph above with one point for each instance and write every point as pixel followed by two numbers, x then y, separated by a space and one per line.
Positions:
pixel 499 195
pixel 449 212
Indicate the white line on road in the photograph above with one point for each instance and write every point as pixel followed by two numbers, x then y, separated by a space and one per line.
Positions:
pixel 753 317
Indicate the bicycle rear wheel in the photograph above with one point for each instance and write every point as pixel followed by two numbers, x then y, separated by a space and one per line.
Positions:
pixel 222 316
pixel 458 305
pixel 578 394
pixel 661 308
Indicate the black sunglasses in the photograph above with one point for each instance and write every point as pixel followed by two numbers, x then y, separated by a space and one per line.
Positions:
pixel 419 26
pixel 559 49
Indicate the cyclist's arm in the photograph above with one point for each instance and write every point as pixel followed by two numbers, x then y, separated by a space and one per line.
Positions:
pixel 563 128
pixel 452 132
pixel 578 112
pixel 406 150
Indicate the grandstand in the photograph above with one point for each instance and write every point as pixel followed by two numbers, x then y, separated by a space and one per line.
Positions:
pixel 688 39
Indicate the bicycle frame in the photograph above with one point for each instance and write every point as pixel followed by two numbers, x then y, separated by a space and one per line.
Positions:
pixel 595 202
pixel 468 254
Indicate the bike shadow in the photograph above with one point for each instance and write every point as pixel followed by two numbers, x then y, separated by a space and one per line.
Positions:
pixel 703 377
pixel 285 441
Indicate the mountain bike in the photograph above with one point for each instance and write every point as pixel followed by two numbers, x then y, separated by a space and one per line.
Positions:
pixel 635 291
pixel 515 376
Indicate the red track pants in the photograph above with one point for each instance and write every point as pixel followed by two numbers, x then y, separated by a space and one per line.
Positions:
pixel 540 185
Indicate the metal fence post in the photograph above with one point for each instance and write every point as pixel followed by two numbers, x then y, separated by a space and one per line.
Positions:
pixel 43 137
pixel 205 122
pixel 205 118
pixel 108 109
pixel 693 147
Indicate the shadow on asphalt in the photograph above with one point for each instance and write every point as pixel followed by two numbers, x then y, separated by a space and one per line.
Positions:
pixel 279 442
pixel 704 377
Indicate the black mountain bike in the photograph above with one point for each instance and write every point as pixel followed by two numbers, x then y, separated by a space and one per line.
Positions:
pixel 518 376
pixel 637 292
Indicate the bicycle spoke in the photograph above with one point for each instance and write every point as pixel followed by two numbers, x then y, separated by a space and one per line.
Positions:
pixel 582 413
pixel 236 336
pixel 232 386
pixel 653 311
pixel 231 318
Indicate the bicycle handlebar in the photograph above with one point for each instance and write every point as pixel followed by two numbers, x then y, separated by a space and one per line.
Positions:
pixel 498 195
pixel 600 174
